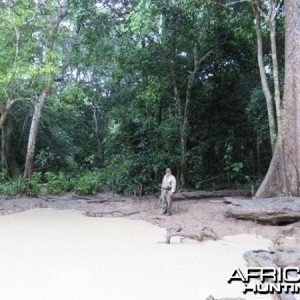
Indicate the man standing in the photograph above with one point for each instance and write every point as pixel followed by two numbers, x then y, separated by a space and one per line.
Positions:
pixel 168 188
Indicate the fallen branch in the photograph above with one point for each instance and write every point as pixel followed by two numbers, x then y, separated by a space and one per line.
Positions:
pixel 211 194
pixel 273 211
pixel 206 232
pixel 50 199
pixel 118 212
pixel 192 236
pixel 96 200
pixel 104 201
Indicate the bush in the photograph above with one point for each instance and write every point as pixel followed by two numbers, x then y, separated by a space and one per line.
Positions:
pixel 33 185
pixel 89 183
pixel 12 187
pixel 58 183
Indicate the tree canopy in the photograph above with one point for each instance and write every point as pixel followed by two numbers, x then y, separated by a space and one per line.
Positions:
pixel 126 88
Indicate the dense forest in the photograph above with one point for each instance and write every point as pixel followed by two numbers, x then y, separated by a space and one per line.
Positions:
pixel 99 95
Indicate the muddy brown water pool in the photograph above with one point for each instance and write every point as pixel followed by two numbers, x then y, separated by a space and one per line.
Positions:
pixel 63 255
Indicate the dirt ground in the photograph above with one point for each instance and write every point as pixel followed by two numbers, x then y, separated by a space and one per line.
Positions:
pixel 188 215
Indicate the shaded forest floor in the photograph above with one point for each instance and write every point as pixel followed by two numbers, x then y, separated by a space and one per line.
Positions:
pixel 188 215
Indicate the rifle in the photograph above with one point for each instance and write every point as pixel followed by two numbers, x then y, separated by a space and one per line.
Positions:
pixel 159 200
pixel 169 188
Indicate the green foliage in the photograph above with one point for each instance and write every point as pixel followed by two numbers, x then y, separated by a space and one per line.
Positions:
pixel 12 187
pixel 257 113
pixel 145 149
pixel 112 99
pixel 54 183
pixel 235 167
pixel 73 95
pixel 33 185
pixel 58 183
pixel 89 183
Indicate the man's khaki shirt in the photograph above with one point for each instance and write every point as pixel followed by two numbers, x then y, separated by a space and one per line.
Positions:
pixel 169 181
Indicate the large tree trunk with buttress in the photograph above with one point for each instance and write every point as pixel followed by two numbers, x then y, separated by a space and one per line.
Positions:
pixel 283 174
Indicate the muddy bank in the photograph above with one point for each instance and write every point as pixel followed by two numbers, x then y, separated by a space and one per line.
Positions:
pixel 188 215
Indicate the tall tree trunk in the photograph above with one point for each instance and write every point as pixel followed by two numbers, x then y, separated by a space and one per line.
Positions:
pixel 4 164
pixel 183 105
pixel 44 94
pixel 33 132
pixel 288 146
pixel 277 97
pixel 263 77
pixel 185 116
pixel 258 157
pixel 99 139
pixel 8 160
pixel 182 128
pixel 5 111
pixel 182 176
pixel 9 101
